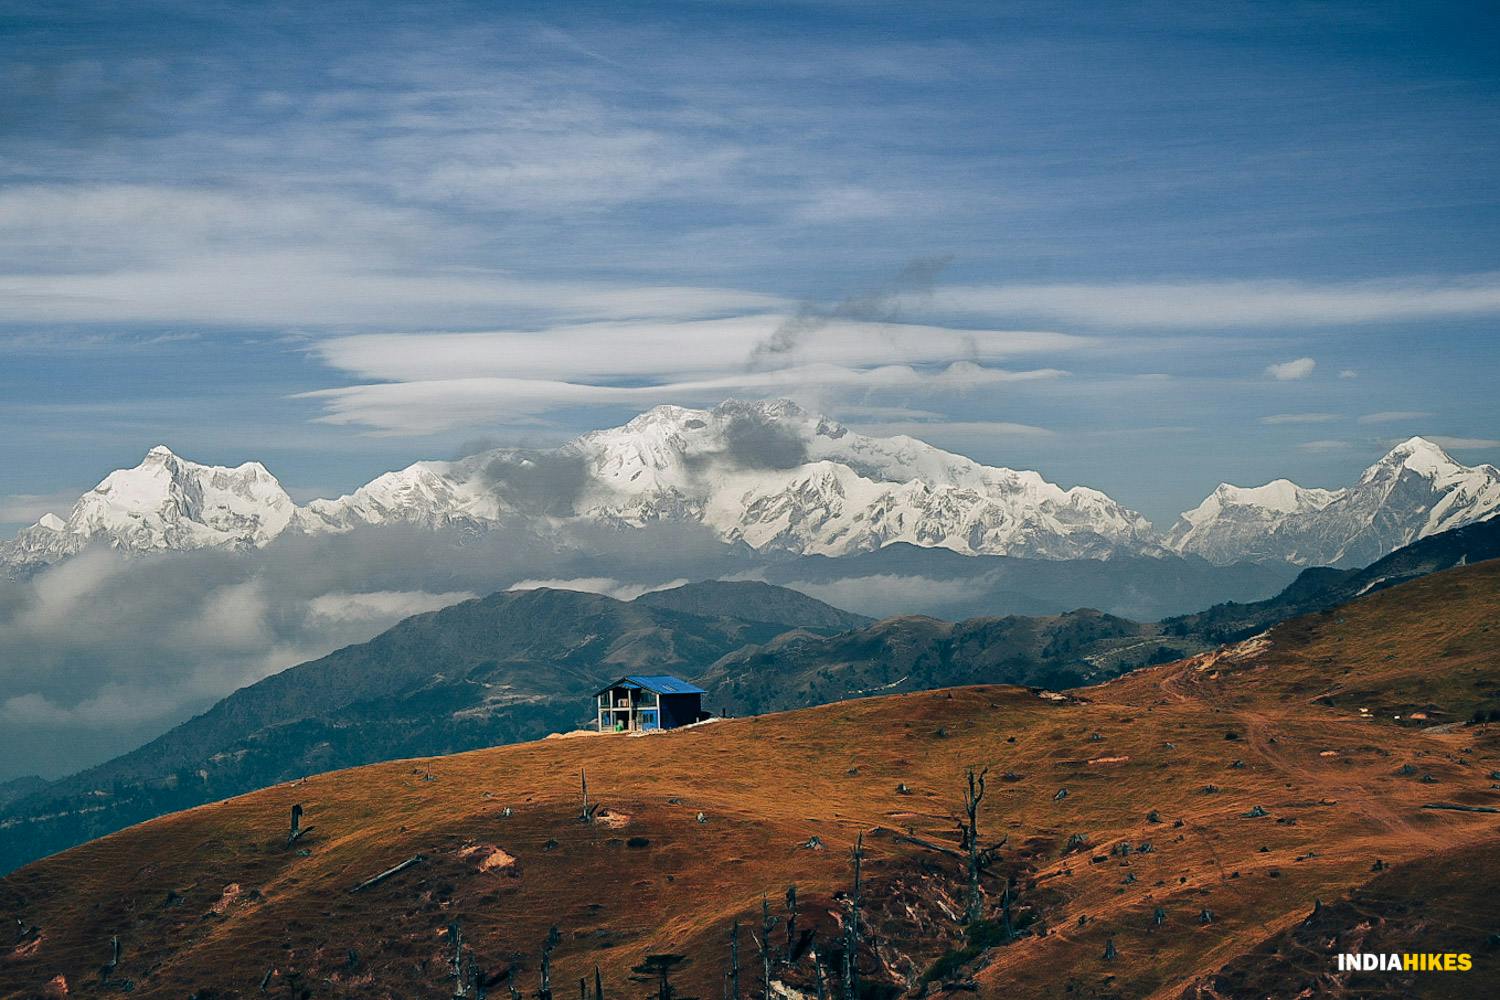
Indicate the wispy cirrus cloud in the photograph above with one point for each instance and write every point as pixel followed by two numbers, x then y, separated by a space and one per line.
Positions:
pixel 1393 416
pixel 1323 446
pixel 431 406
pixel 423 383
pixel 1277 419
pixel 662 347
pixel 1213 305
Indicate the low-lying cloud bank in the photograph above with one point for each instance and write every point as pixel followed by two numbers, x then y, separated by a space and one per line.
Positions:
pixel 103 652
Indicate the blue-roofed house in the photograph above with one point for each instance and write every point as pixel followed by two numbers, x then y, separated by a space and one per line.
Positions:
pixel 649 701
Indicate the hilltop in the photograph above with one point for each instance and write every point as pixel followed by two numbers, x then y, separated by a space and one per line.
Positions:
pixel 1280 785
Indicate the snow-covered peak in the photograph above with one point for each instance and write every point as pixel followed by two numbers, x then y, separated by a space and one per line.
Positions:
pixel 773 476
pixel 1279 495
pixel 165 502
pixel 1417 455
pixel 1414 490
pixel 767 473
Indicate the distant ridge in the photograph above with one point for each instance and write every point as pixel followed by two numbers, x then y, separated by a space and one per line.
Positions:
pixel 776 479
pixel 752 600
pixel 1414 491
pixel 1324 587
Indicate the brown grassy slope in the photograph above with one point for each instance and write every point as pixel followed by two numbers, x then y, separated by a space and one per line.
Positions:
pixel 209 900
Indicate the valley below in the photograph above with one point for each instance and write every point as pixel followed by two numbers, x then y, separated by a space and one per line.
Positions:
pixel 1218 826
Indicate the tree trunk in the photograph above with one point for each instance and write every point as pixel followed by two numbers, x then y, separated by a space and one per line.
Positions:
pixel 734 961
pixel 973 795
pixel 851 927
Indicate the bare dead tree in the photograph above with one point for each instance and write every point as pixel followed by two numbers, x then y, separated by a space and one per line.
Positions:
pixel 510 977
pixel 791 925
pixel 544 992
pixel 375 880
pixel 767 925
pixel 586 811
pixel 851 925
pixel 297 832
pixel 734 960
pixel 114 959
pixel 456 960
pixel 1005 899
pixel 820 974
pixel 973 795
pixel 475 976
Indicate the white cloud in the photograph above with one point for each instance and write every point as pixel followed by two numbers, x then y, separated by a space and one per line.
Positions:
pixel 232 617
pixel 27 508
pixel 1323 446
pixel 60 594
pixel 424 383
pixel 343 607
pixel 1347 373
pixel 605 585
pixel 1393 416
pixel 114 706
pixel 240 255
pixel 1220 304
pixel 426 407
pixel 293 286
pixel 1299 418
pixel 1288 371
pixel 32 710
pixel 660 349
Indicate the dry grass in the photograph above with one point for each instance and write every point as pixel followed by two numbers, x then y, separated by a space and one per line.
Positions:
pixel 1327 776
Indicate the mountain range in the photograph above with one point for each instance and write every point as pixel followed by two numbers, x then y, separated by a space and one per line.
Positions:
pixel 1414 491
pixel 776 479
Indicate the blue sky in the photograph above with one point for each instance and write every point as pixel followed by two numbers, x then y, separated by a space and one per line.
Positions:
pixel 1144 250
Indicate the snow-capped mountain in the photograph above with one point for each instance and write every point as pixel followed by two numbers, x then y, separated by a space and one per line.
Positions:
pixel 767 474
pixel 1416 490
pixel 164 503
pixel 775 478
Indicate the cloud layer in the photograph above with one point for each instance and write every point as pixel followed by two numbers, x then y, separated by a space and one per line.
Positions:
pixel 102 652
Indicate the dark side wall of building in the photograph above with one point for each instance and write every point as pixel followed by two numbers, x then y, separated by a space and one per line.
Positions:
pixel 680 709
